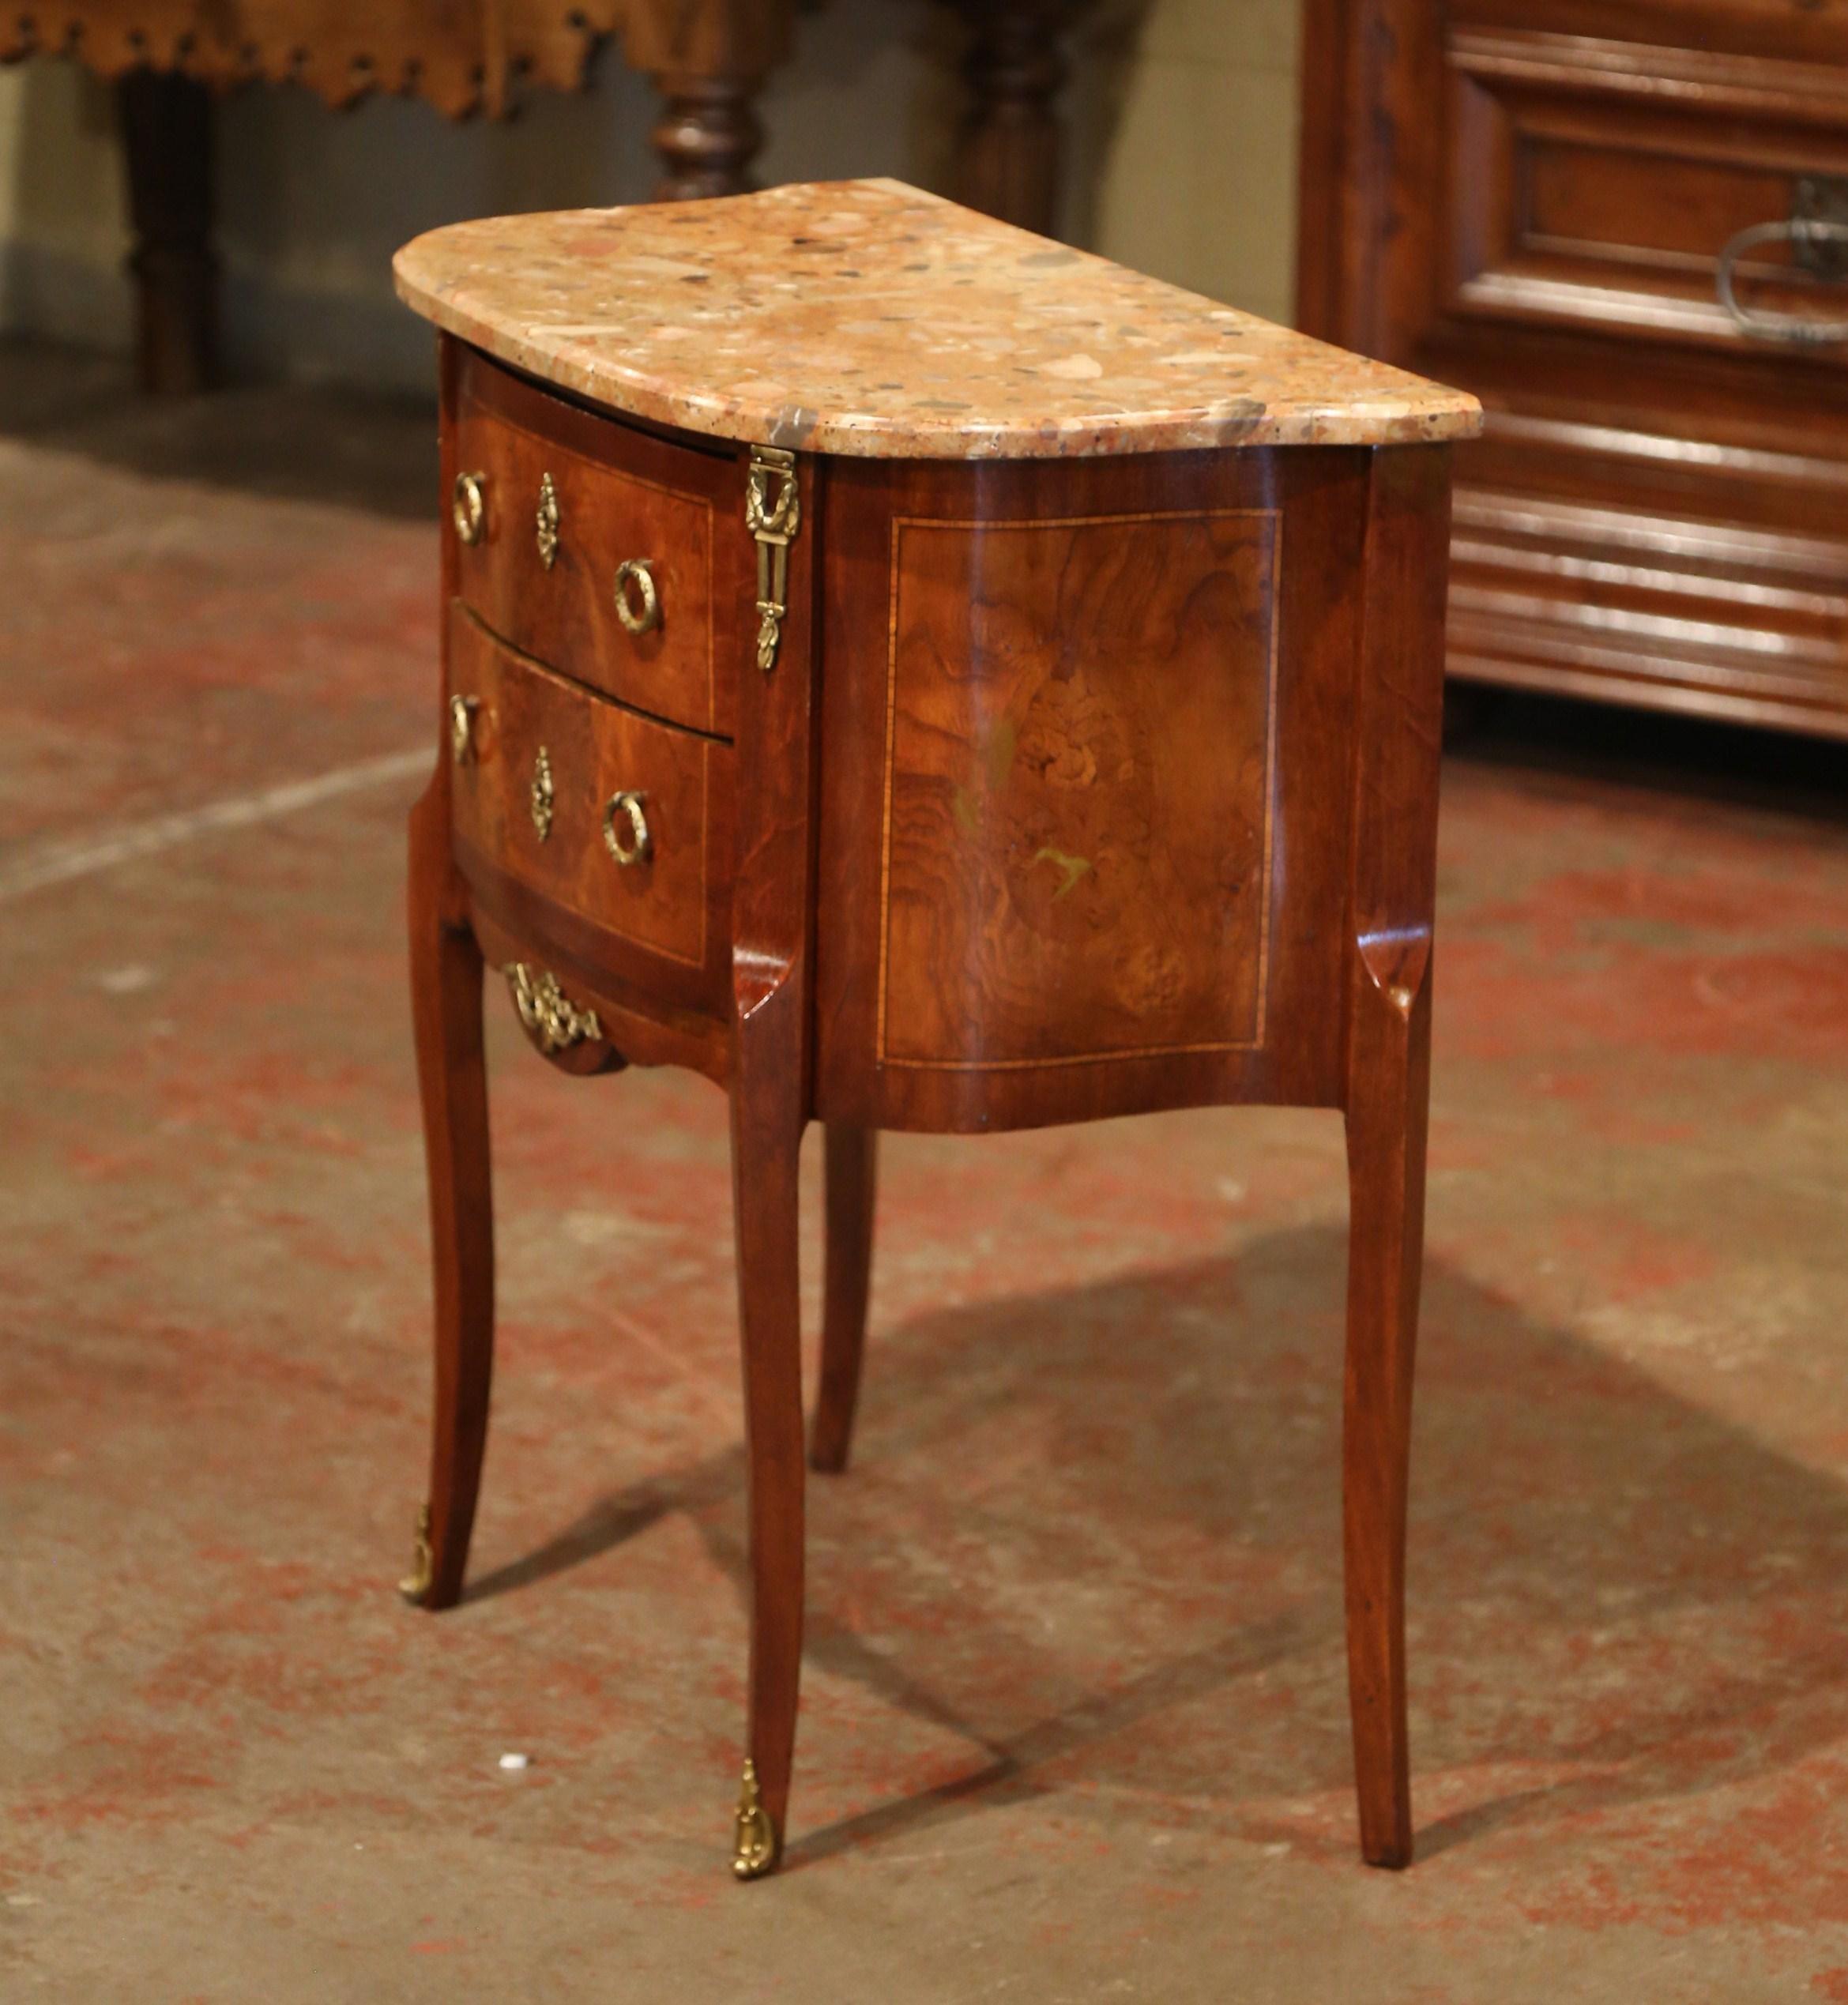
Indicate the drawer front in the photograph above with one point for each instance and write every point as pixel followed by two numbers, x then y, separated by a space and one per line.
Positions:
pixel 598 548
pixel 1593 185
pixel 621 822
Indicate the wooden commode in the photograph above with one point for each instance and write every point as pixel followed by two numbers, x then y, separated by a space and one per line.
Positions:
pixel 922 677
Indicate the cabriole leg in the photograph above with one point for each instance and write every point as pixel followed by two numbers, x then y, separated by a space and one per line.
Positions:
pixel 452 1076
pixel 1389 1090
pixel 767 1135
pixel 852 1157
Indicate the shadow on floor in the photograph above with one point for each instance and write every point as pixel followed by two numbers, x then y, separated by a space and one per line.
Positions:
pixel 1685 759
pixel 1611 1588
pixel 348 448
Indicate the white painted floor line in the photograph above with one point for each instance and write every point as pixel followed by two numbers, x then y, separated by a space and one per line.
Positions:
pixel 58 863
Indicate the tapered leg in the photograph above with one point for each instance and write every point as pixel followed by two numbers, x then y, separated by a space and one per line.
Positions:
pixel 446 994
pixel 852 1157
pixel 1389 1089
pixel 766 1135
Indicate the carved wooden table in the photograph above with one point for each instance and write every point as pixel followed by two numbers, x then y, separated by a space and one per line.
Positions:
pixel 923 678
pixel 709 59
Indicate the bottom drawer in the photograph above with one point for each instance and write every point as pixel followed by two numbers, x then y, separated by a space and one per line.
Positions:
pixel 619 822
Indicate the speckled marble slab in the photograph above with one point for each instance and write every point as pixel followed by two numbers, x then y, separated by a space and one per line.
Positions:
pixel 867 317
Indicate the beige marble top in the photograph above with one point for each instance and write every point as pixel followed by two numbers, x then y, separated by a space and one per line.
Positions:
pixel 867 317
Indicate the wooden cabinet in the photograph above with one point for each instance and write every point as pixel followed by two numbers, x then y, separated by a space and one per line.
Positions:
pixel 1531 198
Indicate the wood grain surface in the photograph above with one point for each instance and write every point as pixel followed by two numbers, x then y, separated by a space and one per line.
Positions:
pixel 1076 822
pixel 621 495
pixel 1054 890
pixel 670 902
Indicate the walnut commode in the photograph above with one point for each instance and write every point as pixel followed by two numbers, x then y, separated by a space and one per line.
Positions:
pixel 922 677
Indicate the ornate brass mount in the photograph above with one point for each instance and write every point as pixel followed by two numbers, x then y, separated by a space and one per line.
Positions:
pixel 415 1586
pixel 754 1851
pixel 462 710
pixel 469 507
pixel 642 613
pixel 548 1016
pixel 546 522
pixel 640 846
pixel 542 793
pixel 774 525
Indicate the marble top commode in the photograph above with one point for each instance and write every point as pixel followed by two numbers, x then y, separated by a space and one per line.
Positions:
pixel 1022 706
pixel 867 317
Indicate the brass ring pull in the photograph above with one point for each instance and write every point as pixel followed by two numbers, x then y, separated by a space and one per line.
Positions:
pixel 469 507
pixel 1804 233
pixel 641 846
pixel 642 614
pixel 462 710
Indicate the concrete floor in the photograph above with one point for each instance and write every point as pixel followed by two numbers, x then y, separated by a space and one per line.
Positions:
pixel 1074 1725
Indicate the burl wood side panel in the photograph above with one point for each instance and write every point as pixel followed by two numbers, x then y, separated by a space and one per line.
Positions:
pixel 1076 828
pixel 621 493
pixel 1067 710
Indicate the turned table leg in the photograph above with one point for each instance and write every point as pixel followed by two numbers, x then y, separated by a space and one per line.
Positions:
pixel 166 135
pixel 451 1077
pixel 706 137
pixel 1008 160
pixel 852 1158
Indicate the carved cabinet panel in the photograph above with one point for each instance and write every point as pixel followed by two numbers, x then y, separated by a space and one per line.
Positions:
pixel 1534 199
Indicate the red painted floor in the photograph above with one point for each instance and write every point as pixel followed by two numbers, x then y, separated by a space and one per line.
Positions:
pixel 1075 1724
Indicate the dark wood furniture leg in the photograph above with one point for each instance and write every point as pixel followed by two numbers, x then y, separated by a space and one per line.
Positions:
pixel 167 136
pixel 452 1076
pixel 1391 1048
pixel 1008 162
pixel 852 1159
pixel 707 136
pixel 1398 730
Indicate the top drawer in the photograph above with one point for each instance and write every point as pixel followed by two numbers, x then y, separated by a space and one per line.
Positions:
pixel 555 511
pixel 1594 185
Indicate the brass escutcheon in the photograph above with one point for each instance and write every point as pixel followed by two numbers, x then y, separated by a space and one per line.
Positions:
pixel 774 525
pixel 469 507
pixel 546 524
pixel 462 710
pixel 415 1586
pixel 542 793
pixel 641 846
pixel 754 1848
pixel 644 616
